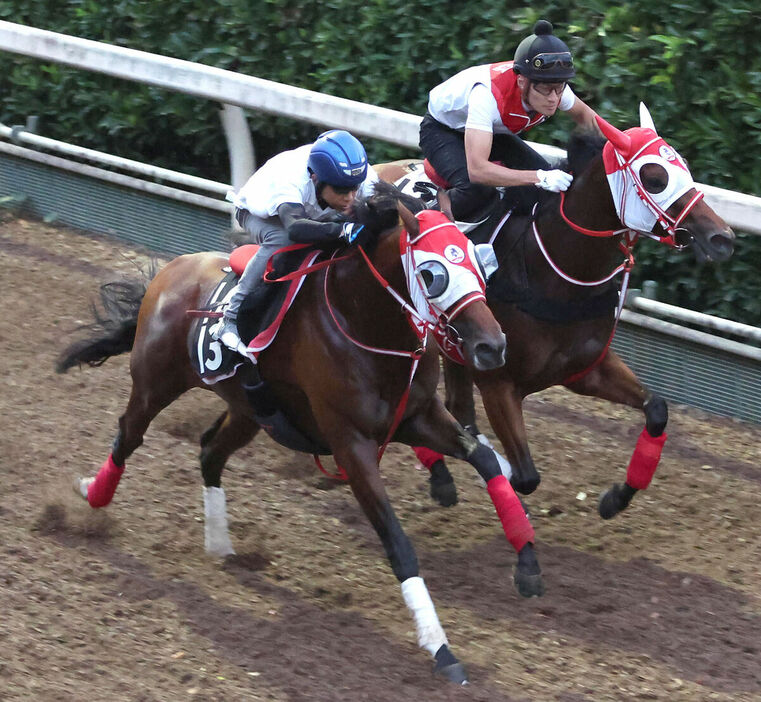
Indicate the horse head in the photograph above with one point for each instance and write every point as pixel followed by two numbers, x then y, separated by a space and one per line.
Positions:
pixel 654 192
pixel 446 279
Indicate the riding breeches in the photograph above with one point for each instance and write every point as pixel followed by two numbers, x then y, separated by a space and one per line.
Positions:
pixel 270 234
pixel 445 150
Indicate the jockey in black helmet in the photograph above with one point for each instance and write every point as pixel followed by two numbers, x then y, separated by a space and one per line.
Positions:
pixel 474 119
pixel 298 196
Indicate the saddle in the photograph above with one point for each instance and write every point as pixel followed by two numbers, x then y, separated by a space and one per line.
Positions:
pixel 258 322
pixel 259 318
pixel 423 182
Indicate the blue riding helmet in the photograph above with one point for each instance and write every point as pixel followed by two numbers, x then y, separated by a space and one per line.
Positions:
pixel 337 158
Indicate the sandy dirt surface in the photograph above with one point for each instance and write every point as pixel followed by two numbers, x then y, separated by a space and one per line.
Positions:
pixel 661 603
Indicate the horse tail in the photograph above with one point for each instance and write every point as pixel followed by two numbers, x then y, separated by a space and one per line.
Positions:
pixel 113 331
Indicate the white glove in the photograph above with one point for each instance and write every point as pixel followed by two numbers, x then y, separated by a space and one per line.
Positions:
pixel 555 180
pixel 349 231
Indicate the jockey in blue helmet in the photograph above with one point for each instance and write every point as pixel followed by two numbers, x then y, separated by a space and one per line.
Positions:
pixel 299 196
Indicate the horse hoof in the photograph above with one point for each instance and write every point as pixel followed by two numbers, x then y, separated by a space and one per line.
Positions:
pixel 454 672
pixel 525 486
pixel 80 486
pixel 528 585
pixel 449 667
pixel 445 495
pixel 611 502
pixel 442 486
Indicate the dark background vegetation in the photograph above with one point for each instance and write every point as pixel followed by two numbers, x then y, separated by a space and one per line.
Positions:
pixel 696 65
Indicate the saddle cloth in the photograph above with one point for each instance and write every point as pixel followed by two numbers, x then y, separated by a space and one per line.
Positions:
pixel 423 182
pixel 258 326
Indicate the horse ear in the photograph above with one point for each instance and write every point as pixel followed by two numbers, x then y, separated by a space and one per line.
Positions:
pixel 409 220
pixel 621 142
pixel 445 203
pixel 645 119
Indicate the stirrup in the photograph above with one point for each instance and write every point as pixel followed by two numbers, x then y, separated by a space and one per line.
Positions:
pixel 226 333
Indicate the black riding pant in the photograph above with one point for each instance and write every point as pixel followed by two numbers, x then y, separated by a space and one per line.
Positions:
pixel 445 150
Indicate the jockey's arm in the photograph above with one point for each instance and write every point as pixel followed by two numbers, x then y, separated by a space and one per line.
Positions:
pixel 303 230
pixel 583 115
pixel 481 170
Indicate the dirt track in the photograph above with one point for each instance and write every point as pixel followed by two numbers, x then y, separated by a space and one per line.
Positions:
pixel 662 603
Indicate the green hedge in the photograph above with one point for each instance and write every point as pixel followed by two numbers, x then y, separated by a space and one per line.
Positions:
pixel 697 66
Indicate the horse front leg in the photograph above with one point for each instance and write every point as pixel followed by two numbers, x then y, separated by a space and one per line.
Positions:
pixel 613 380
pixel 359 458
pixel 459 401
pixel 504 408
pixel 438 429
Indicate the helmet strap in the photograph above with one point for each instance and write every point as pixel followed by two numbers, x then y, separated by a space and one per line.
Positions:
pixel 319 186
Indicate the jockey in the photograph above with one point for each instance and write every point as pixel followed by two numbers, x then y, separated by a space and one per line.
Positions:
pixel 474 119
pixel 299 196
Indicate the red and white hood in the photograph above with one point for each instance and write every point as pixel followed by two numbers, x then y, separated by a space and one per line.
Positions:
pixel 443 272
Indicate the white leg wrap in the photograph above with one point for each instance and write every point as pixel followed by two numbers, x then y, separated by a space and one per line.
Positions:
pixel 430 635
pixel 216 536
pixel 504 464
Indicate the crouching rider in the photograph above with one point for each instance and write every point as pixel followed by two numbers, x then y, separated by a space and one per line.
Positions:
pixel 299 196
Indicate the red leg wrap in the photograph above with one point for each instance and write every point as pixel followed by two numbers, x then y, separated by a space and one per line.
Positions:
pixel 518 529
pixel 102 489
pixel 426 456
pixel 644 461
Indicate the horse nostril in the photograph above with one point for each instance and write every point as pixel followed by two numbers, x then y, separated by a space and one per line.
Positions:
pixel 490 355
pixel 723 243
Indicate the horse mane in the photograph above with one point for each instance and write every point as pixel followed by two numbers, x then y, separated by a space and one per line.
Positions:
pixel 379 211
pixel 583 146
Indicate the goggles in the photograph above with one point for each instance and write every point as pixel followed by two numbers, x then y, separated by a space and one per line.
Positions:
pixel 545 62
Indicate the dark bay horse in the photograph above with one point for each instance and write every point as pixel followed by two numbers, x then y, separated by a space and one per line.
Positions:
pixel 350 366
pixel 556 293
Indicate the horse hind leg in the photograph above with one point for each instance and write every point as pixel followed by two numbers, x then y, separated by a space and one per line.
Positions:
pixel 644 460
pixel 230 432
pixel 613 380
pixel 144 404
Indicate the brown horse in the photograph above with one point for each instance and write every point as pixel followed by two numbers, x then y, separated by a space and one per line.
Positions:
pixel 349 367
pixel 556 297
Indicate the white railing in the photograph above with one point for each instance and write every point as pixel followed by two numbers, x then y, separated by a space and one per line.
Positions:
pixel 739 210
pixel 233 89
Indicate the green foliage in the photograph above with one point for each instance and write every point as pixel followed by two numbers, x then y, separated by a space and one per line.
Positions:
pixel 695 65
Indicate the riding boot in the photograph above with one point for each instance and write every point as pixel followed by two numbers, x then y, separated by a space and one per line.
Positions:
pixel 250 282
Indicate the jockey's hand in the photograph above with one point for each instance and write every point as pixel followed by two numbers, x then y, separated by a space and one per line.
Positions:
pixel 349 232
pixel 554 181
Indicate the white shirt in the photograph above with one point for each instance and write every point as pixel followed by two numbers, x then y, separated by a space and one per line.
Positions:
pixel 465 101
pixel 285 179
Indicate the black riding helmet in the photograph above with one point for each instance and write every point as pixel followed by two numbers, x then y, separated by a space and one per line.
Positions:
pixel 544 58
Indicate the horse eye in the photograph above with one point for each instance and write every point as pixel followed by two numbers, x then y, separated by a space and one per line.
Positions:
pixel 434 278
pixel 655 178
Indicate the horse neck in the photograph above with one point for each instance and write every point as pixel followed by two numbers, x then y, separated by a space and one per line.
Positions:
pixel 371 311
pixel 588 204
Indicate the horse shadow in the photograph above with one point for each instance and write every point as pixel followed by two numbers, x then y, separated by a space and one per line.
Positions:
pixel 307 651
pixel 691 623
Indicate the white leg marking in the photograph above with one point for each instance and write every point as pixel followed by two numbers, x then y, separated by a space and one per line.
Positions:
pixel 216 536
pixel 430 635
pixel 504 464
pixel 81 485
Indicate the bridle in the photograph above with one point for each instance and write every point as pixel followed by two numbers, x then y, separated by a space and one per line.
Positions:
pixel 668 223
pixel 629 237
pixel 422 321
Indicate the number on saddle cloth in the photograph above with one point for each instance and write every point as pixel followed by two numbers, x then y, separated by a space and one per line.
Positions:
pixel 262 311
